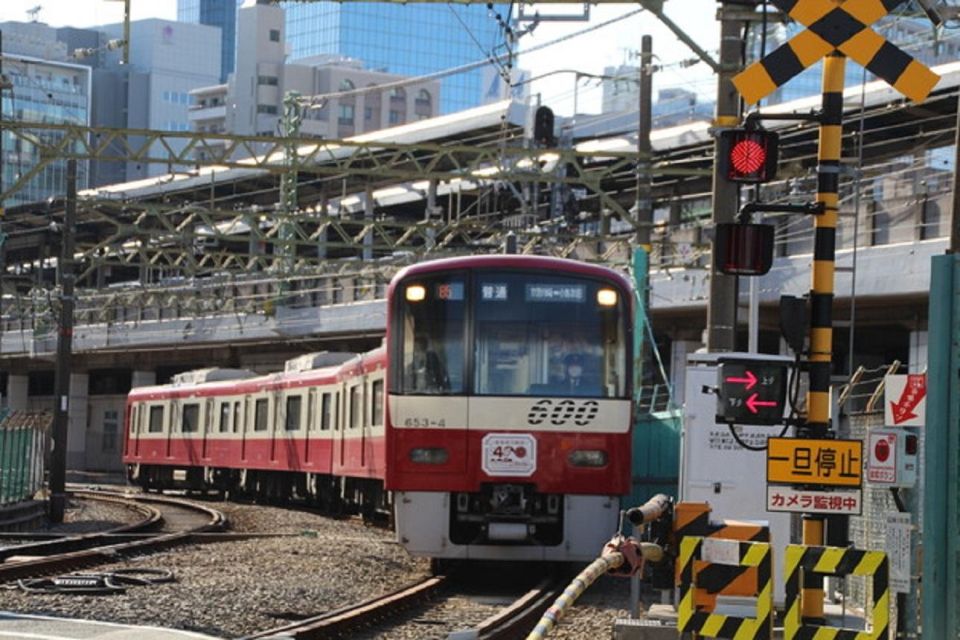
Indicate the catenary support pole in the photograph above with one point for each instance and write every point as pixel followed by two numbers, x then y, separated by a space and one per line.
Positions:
pixel 61 411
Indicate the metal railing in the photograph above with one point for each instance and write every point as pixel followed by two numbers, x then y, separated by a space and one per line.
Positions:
pixel 23 448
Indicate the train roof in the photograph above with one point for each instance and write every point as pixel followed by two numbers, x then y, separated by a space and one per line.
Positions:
pixel 311 367
pixel 512 261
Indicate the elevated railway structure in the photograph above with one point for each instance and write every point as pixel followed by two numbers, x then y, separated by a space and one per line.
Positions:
pixel 203 266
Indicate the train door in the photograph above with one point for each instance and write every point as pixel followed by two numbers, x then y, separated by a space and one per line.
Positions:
pixel 341 422
pixel 207 427
pixel 311 430
pixel 245 425
pixel 354 432
pixel 172 425
pixel 279 420
pixel 132 444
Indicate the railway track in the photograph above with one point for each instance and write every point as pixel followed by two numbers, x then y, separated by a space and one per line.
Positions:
pixel 378 615
pixel 165 522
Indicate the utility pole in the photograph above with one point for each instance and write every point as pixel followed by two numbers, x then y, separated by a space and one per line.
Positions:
pixel 61 410
pixel 644 201
pixel 722 307
pixel 644 204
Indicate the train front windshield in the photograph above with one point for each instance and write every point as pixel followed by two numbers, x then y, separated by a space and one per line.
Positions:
pixel 501 333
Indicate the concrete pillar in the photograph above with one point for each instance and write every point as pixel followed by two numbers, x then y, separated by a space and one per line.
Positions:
pixel 918 351
pixel 17 386
pixel 143 378
pixel 77 423
pixel 679 350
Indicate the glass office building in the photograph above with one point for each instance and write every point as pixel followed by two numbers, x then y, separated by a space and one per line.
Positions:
pixel 49 92
pixel 412 39
pixel 215 13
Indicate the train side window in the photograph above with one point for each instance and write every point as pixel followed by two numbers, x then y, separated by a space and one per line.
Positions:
pixel 260 415
pixel 134 414
pixel 292 421
pixel 325 412
pixel 236 416
pixel 376 403
pixel 156 419
pixel 190 421
pixel 224 417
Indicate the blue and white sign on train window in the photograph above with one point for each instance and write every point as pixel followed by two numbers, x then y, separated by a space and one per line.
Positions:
pixel 493 291
pixel 556 292
pixel 450 291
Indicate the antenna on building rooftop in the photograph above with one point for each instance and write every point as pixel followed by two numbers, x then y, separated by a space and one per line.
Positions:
pixel 34 13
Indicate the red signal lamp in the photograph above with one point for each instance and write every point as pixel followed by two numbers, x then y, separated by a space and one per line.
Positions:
pixel 748 155
pixel 743 249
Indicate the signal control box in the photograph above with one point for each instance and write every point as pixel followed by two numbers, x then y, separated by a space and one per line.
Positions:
pixel 892 458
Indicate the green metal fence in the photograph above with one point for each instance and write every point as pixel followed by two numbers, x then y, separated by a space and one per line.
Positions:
pixel 23 438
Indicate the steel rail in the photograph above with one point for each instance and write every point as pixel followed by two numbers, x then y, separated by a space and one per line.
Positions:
pixel 341 621
pixel 76 559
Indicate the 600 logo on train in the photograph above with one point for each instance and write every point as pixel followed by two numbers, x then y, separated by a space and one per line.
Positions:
pixel 561 412
pixel 463 484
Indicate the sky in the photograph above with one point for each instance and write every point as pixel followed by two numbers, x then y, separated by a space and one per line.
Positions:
pixel 609 46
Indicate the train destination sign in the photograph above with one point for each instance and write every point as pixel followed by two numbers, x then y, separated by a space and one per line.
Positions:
pixel 809 462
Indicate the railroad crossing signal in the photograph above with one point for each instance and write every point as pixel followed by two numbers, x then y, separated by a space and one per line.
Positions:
pixel 833 27
pixel 751 391
pixel 748 155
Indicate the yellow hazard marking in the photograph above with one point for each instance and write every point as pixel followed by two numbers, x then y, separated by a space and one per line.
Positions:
pixel 868 42
pixel 830 141
pixel 808 461
pixel 829 560
pixel 754 83
pixel 809 47
pixel 818 559
pixel 916 82
pixel 823 271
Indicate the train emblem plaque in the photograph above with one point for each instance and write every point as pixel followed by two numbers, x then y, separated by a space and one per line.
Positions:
pixel 509 454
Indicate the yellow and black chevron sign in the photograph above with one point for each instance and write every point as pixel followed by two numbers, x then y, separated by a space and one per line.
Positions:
pixel 691 619
pixel 843 27
pixel 835 561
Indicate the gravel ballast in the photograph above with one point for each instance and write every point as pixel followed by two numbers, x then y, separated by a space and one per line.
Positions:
pixel 314 564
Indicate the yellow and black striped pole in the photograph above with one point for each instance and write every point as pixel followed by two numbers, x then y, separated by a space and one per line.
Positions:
pixel 821 295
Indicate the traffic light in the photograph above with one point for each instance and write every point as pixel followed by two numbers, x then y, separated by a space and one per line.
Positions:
pixel 743 249
pixel 543 126
pixel 748 155
pixel 751 391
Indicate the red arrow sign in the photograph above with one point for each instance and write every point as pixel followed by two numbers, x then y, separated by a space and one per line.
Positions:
pixel 753 403
pixel 749 381
pixel 913 393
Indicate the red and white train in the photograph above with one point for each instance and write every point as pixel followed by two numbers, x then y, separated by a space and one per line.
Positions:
pixel 494 421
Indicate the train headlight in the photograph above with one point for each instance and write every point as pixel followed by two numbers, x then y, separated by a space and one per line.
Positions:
pixel 416 293
pixel 607 297
pixel 429 456
pixel 588 458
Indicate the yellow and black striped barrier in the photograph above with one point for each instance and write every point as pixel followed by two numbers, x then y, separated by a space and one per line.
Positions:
pixel 835 561
pixel 843 27
pixel 691 619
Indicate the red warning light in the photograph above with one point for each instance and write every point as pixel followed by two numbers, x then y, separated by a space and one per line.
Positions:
pixel 748 155
pixel 881 450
